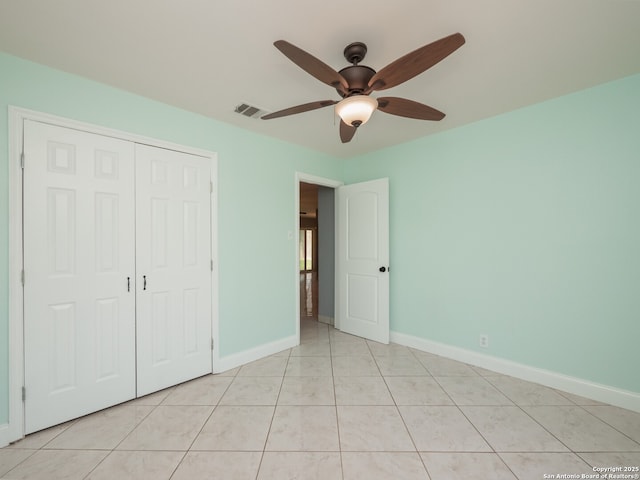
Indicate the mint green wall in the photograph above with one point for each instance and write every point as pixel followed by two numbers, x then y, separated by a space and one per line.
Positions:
pixel 256 196
pixel 525 227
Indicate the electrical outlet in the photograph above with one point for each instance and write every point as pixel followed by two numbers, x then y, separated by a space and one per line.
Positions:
pixel 484 341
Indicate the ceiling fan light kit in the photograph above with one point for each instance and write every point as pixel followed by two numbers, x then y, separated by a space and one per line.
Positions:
pixel 356 82
pixel 356 110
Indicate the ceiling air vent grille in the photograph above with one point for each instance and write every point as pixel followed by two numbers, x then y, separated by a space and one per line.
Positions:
pixel 250 111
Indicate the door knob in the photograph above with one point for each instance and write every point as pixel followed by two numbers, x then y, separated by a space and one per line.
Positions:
pixel 382 269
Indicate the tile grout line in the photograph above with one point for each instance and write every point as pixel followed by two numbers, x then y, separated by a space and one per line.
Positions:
pixel 275 407
pixel 215 407
pixel 536 421
pixel 579 407
pixel 476 428
pixel 335 403
pixel 520 407
pixel 123 439
pixel 395 402
pixel 607 423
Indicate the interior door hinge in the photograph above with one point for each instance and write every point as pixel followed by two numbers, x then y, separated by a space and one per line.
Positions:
pixel 213 343
pixel 212 265
pixel 22 277
pixel 24 394
pixel 210 187
pixel 22 160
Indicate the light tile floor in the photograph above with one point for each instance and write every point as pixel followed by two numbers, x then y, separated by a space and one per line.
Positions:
pixel 338 407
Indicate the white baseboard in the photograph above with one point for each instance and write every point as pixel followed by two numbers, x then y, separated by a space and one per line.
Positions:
pixel 242 358
pixel 325 319
pixel 4 435
pixel 577 386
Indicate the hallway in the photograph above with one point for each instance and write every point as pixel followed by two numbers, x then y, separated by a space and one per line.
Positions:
pixel 309 295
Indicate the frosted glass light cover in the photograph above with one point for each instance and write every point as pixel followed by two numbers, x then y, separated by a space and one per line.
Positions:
pixel 357 109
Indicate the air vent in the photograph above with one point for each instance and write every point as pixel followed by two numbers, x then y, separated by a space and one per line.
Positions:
pixel 250 111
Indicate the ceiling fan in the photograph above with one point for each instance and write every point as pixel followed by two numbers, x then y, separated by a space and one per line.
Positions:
pixel 356 82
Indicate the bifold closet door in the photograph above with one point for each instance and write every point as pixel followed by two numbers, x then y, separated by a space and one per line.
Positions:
pixel 173 266
pixel 79 293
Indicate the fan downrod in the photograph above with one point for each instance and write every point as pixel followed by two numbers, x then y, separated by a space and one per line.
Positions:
pixel 356 75
pixel 355 52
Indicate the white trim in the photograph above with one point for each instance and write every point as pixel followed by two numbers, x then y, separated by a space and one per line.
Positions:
pixel 25 114
pixel 577 386
pixel 16 117
pixel 4 435
pixel 256 353
pixel 324 182
pixel 16 306
pixel 215 318
pixel 326 319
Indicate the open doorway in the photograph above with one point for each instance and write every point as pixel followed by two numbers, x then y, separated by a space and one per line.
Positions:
pixel 316 247
pixel 357 295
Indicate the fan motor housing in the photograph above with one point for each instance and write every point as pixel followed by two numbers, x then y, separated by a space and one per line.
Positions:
pixel 357 76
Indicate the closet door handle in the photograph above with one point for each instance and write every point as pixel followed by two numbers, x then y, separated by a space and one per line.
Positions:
pixel 128 284
pixel 144 282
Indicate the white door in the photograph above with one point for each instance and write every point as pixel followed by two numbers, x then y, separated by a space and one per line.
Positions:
pixel 363 259
pixel 79 297
pixel 173 266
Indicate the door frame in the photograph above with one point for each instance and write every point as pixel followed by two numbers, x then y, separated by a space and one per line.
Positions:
pixel 324 182
pixel 17 115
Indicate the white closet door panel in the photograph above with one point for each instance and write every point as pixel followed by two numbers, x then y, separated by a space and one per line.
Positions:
pixel 173 267
pixel 79 317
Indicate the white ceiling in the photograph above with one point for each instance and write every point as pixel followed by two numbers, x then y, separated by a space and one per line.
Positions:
pixel 208 56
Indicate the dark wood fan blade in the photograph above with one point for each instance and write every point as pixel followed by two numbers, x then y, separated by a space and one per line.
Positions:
pixel 415 63
pixel 346 132
pixel 312 65
pixel 299 109
pixel 408 108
